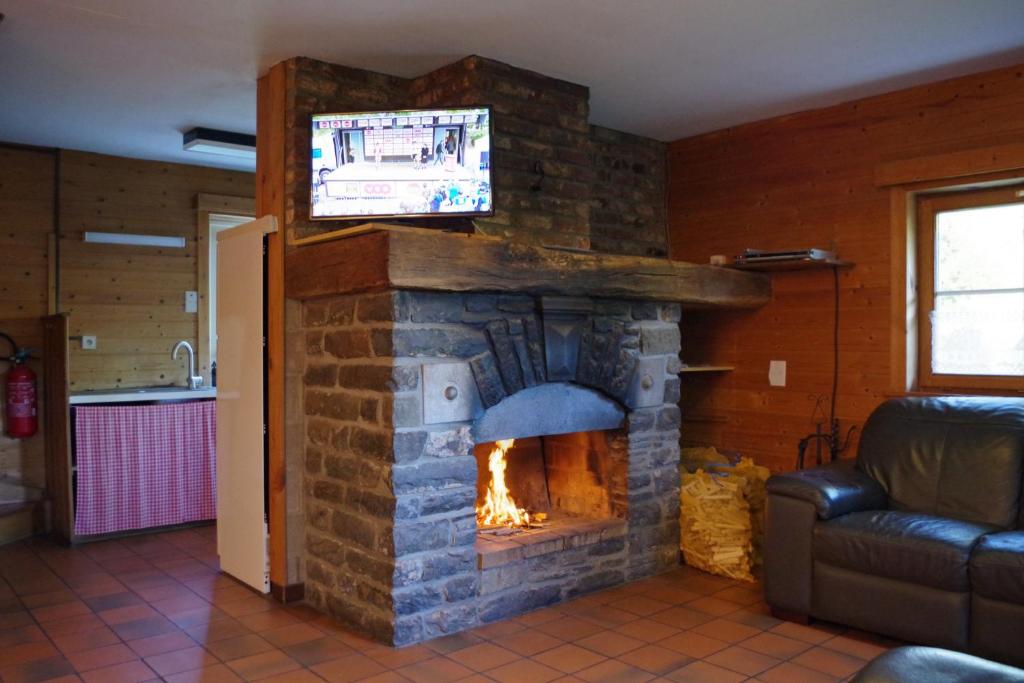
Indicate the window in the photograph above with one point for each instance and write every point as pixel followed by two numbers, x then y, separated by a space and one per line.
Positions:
pixel 971 290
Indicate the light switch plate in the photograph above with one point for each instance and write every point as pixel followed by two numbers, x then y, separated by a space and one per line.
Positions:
pixel 777 373
pixel 88 342
pixel 191 302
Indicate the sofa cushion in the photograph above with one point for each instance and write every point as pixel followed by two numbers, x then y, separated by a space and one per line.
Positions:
pixel 907 546
pixel 997 567
pixel 959 457
pixel 930 664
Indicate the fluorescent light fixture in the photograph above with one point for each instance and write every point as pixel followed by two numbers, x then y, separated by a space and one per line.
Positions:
pixel 135 240
pixel 222 142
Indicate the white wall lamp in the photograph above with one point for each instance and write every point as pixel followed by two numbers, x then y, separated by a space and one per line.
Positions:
pixel 222 142
pixel 135 240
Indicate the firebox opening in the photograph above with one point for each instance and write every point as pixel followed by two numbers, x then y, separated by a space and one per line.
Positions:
pixel 563 490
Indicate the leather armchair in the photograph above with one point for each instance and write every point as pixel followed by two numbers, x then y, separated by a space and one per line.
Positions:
pixel 918 539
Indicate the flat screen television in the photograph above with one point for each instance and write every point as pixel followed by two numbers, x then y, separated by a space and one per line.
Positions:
pixel 401 164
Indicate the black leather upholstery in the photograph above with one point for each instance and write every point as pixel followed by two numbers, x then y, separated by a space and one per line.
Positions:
pixel 960 457
pixel 932 551
pixel 932 665
pixel 834 490
pixel 997 568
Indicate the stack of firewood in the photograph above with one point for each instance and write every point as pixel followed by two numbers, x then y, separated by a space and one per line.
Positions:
pixel 721 517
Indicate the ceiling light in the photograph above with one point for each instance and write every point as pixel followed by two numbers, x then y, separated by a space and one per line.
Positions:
pixel 222 142
pixel 136 240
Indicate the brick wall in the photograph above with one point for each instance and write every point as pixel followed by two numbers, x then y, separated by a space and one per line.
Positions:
pixel 600 188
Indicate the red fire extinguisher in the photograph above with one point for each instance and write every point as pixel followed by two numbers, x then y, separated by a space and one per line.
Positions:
pixel 21 409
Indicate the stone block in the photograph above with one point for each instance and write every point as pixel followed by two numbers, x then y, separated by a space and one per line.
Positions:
pixel 320 375
pixel 671 313
pixel 449 500
pixel 516 304
pixel 379 307
pixel 435 307
pixel 658 338
pixel 669 417
pixel 449 443
pixel 408 445
pixel 517 601
pixel 646 310
pixel 314 343
pixel 357 529
pixel 442 342
pixel 370 377
pixel 405 377
pixel 369 410
pixel 325 549
pixel 450 619
pixel 481 303
pixel 672 390
pixel 416 598
pixel 418 537
pixel 406 411
pixel 488 379
pixel 329 492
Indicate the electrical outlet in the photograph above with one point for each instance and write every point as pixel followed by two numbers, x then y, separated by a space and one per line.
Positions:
pixel 191 302
pixel 777 373
pixel 88 342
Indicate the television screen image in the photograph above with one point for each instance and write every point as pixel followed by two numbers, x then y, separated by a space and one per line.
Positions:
pixel 398 164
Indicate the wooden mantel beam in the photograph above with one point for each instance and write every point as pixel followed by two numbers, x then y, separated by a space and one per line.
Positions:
pixel 396 258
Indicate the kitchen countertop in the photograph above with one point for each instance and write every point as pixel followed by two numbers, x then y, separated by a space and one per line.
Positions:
pixel 141 394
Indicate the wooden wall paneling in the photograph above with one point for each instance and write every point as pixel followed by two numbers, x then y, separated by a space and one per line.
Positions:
pixel 812 179
pixel 58 428
pixel 270 200
pixel 132 298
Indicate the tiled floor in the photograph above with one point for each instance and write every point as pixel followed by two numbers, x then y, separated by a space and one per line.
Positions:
pixel 155 608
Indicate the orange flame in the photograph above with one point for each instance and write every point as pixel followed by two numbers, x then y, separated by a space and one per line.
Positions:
pixel 499 507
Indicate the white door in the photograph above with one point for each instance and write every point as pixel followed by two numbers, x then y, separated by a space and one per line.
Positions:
pixel 241 469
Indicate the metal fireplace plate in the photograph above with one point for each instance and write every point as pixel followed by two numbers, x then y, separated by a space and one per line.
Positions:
pixel 449 393
pixel 648 386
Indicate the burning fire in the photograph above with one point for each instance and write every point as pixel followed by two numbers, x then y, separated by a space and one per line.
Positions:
pixel 498 507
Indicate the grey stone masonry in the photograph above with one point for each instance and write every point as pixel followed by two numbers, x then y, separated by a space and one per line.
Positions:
pixel 394 383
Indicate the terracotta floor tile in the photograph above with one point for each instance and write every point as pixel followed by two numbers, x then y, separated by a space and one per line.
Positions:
pixel 671 594
pixel 742 660
pixel 702 672
pixel 774 645
pixel 740 595
pixel 788 672
pixel 693 644
pixel 218 673
pixel 144 628
pixel 569 658
pixel 855 647
pixel 640 605
pixel 21 634
pixel 263 665
pixel 27 652
pixel 197 617
pixel 100 657
pixel 60 611
pixel 395 658
pixel 385 677
pixel 312 652
pixel 483 657
pixel 270 619
pixel 655 659
pixel 610 643
pixel 249 604
pixel 607 615
pixel 177 661
pixel 713 606
pixel 647 630
pixel 299 676
pixel 529 642
pixel 569 628
pixel 614 671
pixel 38 670
pixel 723 629
pixel 126 672
pixel 238 647
pixel 102 603
pixel 291 634
pixel 219 629
pixel 808 634
pixel 497 630
pixel 460 641
pixel 754 617
pixel 180 603
pixel 524 671
pixel 435 670
pixel 49 598
pixel 13 619
pixel 681 617
pixel 829 662
pixel 352 667
pixel 87 640
pixel 120 615
pixel 157 645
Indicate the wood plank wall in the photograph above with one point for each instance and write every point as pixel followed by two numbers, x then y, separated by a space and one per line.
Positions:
pixel 131 298
pixel 804 180
pixel 26 228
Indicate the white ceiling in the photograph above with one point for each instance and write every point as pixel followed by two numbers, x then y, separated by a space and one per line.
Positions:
pixel 128 76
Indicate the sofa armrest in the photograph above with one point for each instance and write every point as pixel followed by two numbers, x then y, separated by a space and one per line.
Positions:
pixel 833 490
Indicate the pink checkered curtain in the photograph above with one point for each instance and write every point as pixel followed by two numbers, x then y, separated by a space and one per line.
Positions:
pixel 144 466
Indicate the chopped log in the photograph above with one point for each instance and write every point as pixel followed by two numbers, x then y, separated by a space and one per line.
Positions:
pixel 432 260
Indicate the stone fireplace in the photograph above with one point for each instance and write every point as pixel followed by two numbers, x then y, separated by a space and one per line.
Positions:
pixel 406 389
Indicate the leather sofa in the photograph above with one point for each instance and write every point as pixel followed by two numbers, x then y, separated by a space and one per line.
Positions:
pixel 921 538
pixel 932 665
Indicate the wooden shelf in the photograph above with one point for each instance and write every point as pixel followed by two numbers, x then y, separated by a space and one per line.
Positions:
pixel 706 368
pixel 795 264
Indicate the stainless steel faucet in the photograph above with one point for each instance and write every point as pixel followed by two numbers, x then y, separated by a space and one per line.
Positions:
pixel 194 381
